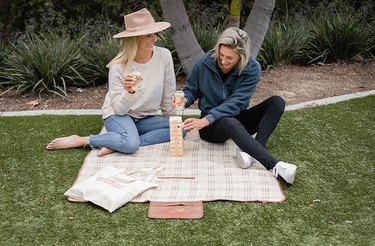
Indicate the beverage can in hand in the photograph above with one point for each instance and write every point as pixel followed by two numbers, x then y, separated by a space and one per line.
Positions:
pixel 179 100
pixel 138 82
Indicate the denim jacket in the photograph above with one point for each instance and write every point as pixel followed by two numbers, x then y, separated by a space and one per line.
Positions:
pixel 217 99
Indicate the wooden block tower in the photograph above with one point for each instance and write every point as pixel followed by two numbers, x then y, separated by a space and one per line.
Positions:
pixel 176 147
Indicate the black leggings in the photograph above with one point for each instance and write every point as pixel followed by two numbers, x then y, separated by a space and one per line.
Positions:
pixel 261 119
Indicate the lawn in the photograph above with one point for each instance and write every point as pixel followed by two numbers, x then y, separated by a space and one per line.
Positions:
pixel 330 203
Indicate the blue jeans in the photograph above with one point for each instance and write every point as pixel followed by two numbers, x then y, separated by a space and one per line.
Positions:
pixel 126 134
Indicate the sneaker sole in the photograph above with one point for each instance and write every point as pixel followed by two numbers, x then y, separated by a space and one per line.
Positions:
pixel 294 175
pixel 240 161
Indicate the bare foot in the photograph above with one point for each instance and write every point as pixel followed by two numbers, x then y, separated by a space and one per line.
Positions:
pixel 104 151
pixel 73 141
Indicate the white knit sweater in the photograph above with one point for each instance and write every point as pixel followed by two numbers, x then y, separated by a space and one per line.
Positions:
pixel 159 86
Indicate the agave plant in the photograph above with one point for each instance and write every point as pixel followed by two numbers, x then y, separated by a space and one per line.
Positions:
pixel 2 54
pixel 206 36
pixel 338 37
pixel 283 44
pixel 97 57
pixel 43 63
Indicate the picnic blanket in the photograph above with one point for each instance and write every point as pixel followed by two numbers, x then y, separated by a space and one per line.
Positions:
pixel 206 172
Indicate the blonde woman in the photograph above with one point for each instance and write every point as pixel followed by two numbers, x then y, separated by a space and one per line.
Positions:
pixel 131 105
pixel 223 81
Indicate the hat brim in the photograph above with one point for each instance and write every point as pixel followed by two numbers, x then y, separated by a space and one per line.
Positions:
pixel 156 27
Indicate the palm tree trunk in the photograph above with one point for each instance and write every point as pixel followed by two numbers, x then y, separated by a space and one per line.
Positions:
pixel 183 37
pixel 235 12
pixel 257 23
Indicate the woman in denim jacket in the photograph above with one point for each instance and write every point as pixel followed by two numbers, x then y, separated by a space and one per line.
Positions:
pixel 223 81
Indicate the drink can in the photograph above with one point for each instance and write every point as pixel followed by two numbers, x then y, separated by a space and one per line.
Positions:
pixel 137 79
pixel 179 100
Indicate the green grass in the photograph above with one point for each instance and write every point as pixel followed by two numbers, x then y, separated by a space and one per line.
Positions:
pixel 331 202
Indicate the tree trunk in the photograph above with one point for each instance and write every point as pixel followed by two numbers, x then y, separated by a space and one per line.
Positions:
pixel 183 37
pixel 257 24
pixel 235 12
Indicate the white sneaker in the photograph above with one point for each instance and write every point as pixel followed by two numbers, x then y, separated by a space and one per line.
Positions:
pixel 285 170
pixel 244 160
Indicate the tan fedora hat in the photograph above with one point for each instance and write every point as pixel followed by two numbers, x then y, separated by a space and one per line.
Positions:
pixel 141 23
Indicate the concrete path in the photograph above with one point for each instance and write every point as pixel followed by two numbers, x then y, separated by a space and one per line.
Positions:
pixel 309 104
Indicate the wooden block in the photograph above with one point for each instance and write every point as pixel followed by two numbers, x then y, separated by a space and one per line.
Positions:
pixel 176 145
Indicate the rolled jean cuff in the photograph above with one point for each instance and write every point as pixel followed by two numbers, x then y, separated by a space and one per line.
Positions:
pixel 91 146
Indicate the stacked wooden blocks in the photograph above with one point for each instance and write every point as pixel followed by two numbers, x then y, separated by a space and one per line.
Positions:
pixel 176 147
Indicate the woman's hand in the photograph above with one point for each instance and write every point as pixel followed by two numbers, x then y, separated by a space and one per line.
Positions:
pixel 192 124
pixel 129 82
pixel 176 104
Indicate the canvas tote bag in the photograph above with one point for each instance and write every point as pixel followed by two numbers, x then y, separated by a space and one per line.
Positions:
pixel 111 187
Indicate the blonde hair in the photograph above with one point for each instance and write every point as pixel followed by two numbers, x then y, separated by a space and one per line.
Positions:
pixel 127 53
pixel 237 39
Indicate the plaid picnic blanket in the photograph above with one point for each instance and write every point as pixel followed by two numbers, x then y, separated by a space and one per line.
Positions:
pixel 206 172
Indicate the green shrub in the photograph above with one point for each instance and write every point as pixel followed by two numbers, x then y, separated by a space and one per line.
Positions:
pixel 338 37
pixel 283 44
pixel 165 40
pixel 43 63
pixel 372 50
pixel 97 57
pixel 206 36
pixel 208 12
pixel 2 52
pixel 2 55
